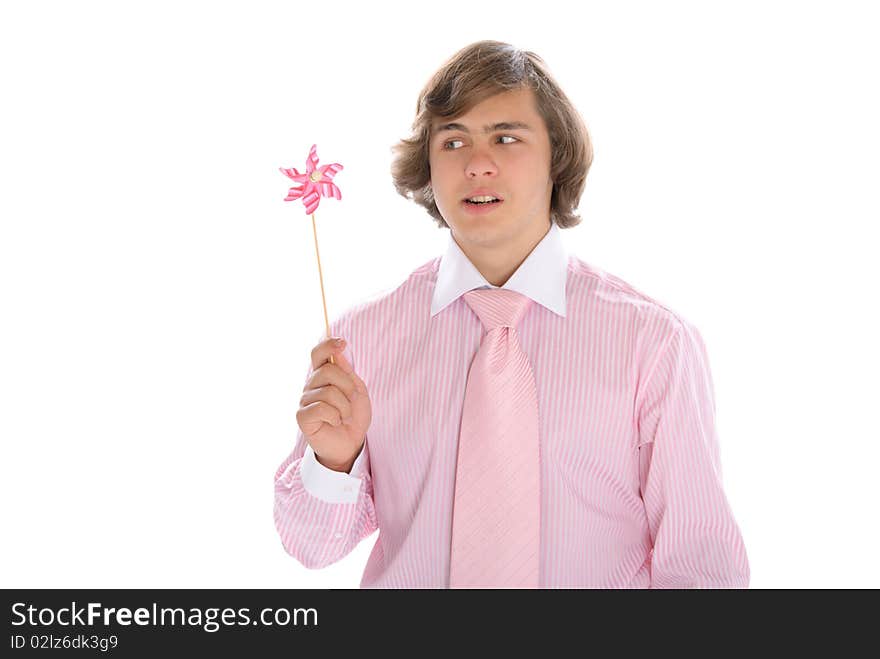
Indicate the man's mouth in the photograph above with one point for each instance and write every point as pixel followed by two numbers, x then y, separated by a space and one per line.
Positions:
pixel 483 200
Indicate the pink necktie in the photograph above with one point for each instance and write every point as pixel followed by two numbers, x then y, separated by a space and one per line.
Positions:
pixel 496 513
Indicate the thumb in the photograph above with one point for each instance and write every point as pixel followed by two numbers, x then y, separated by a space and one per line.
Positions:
pixel 346 366
pixel 361 387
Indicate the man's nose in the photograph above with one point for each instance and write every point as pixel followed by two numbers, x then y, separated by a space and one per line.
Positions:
pixel 481 165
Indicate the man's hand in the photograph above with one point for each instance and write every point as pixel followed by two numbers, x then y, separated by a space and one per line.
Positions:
pixel 335 410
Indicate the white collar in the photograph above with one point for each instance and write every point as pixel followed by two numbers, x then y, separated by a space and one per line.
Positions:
pixel 540 277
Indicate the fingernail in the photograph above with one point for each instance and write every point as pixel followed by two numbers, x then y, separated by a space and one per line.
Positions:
pixel 339 342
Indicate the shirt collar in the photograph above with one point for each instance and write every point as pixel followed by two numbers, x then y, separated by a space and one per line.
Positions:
pixel 540 277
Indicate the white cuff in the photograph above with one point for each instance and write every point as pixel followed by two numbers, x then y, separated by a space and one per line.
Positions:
pixel 328 484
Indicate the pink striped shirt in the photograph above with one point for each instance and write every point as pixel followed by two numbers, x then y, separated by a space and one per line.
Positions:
pixel 632 493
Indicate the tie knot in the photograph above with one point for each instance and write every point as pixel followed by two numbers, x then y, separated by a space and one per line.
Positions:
pixel 497 307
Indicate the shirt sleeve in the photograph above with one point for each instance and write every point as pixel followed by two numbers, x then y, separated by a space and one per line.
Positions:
pixel 696 540
pixel 330 485
pixel 321 514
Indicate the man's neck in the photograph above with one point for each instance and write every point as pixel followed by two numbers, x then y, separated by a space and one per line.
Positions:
pixel 498 265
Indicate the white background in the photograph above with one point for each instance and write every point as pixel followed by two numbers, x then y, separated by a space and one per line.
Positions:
pixel 159 300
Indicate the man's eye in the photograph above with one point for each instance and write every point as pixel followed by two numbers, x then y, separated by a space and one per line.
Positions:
pixel 500 137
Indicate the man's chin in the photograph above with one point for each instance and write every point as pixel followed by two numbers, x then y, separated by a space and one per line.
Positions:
pixel 481 233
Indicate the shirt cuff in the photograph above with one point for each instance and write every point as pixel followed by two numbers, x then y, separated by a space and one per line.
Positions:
pixel 328 484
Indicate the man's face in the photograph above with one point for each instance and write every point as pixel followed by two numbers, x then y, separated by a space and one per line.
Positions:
pixel 511 162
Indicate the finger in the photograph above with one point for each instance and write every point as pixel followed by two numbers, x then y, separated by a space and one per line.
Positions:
pixel 319 411
pixel 332 374
pixel 331 395
pixel 321 352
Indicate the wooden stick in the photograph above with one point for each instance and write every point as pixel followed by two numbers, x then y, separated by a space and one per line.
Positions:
pixel 321 278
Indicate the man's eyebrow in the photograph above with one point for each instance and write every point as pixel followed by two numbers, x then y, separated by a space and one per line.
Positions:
pixel 488 128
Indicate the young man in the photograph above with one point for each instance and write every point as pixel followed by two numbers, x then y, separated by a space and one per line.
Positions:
pixel 538 422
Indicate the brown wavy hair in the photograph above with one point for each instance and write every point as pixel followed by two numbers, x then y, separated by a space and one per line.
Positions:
pixel 473 74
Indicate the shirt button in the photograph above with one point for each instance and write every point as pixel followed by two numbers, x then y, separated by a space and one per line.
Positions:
pixel 338 535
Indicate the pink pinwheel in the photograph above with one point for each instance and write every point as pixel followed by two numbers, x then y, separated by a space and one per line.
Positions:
pixel 317 182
